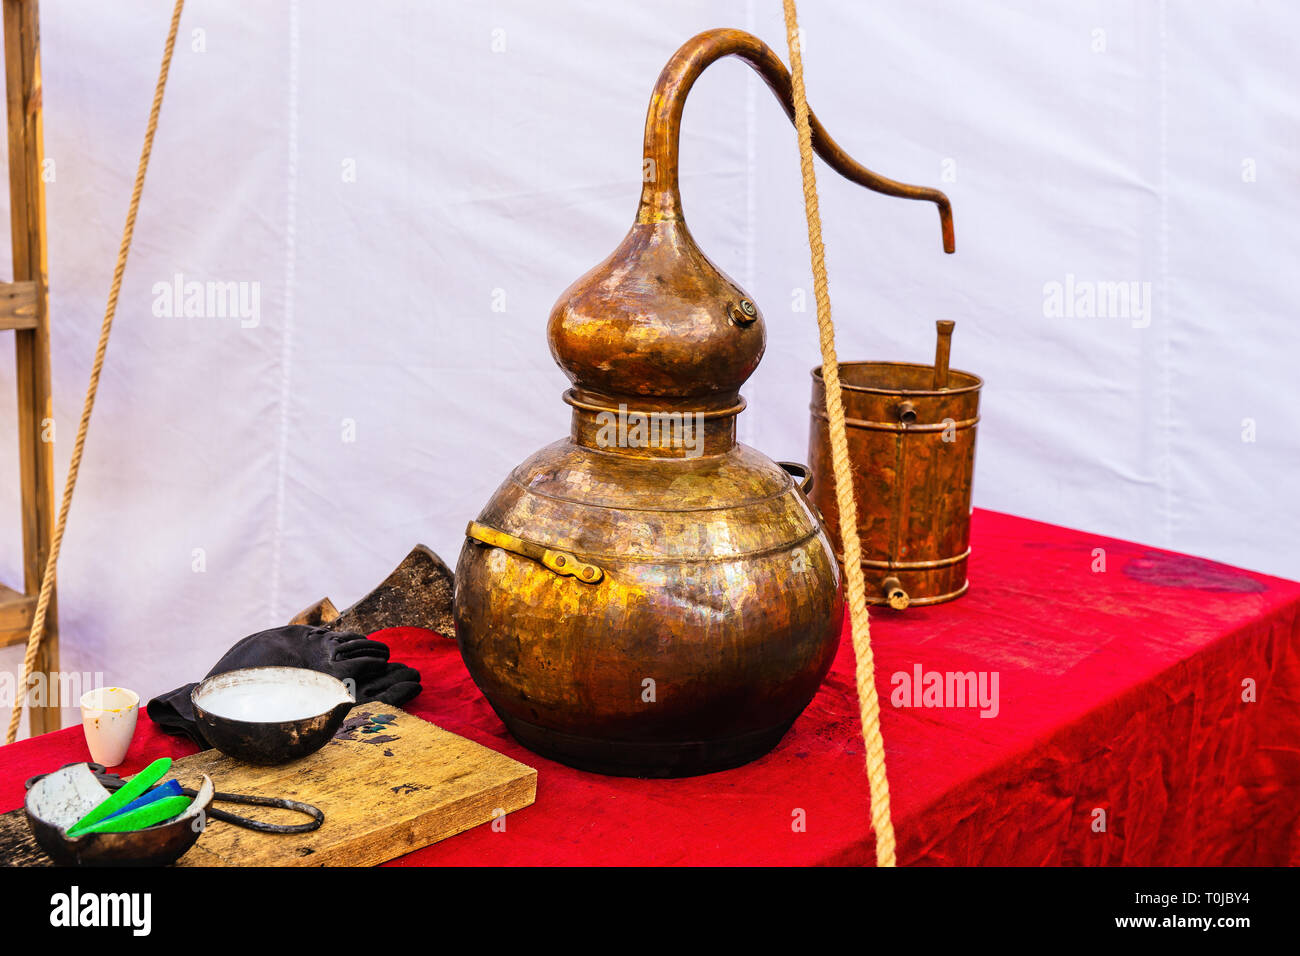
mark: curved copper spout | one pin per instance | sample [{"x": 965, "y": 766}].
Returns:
[{"x": 660, "y": 197}]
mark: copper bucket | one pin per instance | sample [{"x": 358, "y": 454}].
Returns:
[{"x": 911, "y": 432}]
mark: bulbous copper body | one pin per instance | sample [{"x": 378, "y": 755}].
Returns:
[
  {"x": 648, "y": 597},
  {"x": 716, "y": 618}
]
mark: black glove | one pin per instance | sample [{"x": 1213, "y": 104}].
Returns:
[{"x": 341, "y": 654}]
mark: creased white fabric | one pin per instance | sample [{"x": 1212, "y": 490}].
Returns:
[{"x": 448, "y": 168}]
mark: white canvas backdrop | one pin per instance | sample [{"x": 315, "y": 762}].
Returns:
[{"x": 407, "y": 187}]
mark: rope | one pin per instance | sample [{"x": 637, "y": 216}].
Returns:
[
  {"x": 56, "y": 542},
  {"x": 868, "y": 700}
]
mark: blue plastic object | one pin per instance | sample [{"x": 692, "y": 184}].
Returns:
[{"x": 171, "y": 788}]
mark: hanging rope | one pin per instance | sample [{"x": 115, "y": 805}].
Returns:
[
  {"x": 868, "y": 700},
  {"x": 47, "y": 578}
]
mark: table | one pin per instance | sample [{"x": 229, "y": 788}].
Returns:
[{"x": 1147, "y": 712}]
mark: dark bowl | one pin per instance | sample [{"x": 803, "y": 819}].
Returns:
[
  {"x": 59, "y": 799},
  {"x": 270, "y": 715}
]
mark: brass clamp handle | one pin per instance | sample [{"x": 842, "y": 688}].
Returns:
[{"x": 561, "y": 562}]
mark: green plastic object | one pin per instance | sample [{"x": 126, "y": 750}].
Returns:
[
  {"x": 137, "y": 785},
  {"x": 142, "y": 817}
]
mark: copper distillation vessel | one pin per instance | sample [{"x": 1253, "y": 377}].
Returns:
[
  {"x": 911, "y": 438},
  {"x": 648, "y": 597}
]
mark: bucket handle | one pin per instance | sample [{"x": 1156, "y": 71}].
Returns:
[{"x": 560, "y": 562}]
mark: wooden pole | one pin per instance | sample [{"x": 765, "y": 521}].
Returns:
[{"x": 35, "y": 406}]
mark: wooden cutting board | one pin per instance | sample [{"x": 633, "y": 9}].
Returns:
[{"x": 401, "y": 786}]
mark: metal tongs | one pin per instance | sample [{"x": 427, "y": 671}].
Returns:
[{"x": 111, "y": 782}]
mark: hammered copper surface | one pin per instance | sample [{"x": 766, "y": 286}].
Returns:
[{"x": 656, "y": 601}]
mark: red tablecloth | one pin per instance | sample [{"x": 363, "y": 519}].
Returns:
[{"x": 1159, "y": 698}]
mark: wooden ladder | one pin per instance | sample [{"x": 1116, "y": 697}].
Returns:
[{"x": 24, "y": 310}]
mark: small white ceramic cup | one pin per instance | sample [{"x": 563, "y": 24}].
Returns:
[{"x": 108, "y": 715}]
